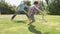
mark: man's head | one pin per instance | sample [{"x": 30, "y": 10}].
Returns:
[
  {"x": 36, "y": 3},
  {"x": 25, "y": 2}
]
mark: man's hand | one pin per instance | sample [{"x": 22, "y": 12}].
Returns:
[{"x": 27, "y": 6}]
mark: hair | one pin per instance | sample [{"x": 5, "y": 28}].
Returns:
[{"x": 36, "y": 2}]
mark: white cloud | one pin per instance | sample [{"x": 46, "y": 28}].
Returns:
[
  {"x": 17, "y": 2},
  {"x": 14, "y": 2}
]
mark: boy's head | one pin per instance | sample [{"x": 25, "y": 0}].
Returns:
[{"x": 36, "y": 3}]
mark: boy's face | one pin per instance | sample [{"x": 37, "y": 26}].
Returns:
[{"x": 36, "y": 5}]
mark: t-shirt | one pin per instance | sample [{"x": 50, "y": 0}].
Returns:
[
  {"x": 21, "y": 7},
  {"x": 33, "y": 9}
]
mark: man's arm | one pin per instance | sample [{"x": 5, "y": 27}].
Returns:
[
  {"x": 17, "y": 6},
  {"x": 27, "y": 6}
]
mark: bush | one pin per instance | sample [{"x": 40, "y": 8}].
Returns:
[
  {"x": 6, "y": 11},
  {"x": 5, "y": 8},
  {"x": 54, "y": 7},
  {"x": 28, "y": 3}
]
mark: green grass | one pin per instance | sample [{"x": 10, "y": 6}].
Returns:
[{"x": 19, "y": 25}]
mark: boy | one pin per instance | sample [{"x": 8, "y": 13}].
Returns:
[
  {"x": 20, "y": 9},
  {"x": 32, "y": 11}
]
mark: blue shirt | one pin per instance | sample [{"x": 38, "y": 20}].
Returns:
[{"x": 21, "y": 7}]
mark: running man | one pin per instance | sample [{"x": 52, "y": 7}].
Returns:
[
  {"x": 20, "y": 8},
  {"x": 32, "y": 11}
]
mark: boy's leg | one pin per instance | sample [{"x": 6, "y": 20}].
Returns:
[{"x": 31, "y": 20}]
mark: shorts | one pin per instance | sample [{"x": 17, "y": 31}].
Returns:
[{"x": 31, "y": 16}]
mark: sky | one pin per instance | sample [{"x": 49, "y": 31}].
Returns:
[
  {"x": 13, "y": 2},
  {"x": 16, "y": 2}
]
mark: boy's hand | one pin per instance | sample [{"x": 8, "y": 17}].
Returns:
[{"x": 44, "y": 14}]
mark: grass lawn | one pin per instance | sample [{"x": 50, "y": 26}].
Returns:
[{"x": 19, "y": 25}]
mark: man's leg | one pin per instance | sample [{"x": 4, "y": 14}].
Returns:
[{"x": 14, "y": 15}]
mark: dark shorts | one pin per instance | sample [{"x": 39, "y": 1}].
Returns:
[{"x": 31, "y": 16}]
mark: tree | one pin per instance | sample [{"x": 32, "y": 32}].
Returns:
[
  {"x": 28, "y": 3},
  {"x": 5, "y": 8},
  {"x": 1, "y": 1},
  {"x": 54, "y": 7},
  {"x": 47, "y": 1}
]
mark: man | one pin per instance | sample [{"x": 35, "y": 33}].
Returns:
[
  {"x": 20, "y": 9},
  {"x": 32, "y": 11}
]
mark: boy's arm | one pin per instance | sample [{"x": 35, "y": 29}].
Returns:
[{"x": 40, "y": 11}]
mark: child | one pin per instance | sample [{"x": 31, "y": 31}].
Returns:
[
  {"x": 20, "y": 8},
  {"x": 32, "y": 11}
]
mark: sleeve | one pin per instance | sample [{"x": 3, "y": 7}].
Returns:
[{"x": 35, "y": 7}]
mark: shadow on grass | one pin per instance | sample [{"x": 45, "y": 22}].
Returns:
[
  {"x": 33, "y": 30},
  {"x": 17, "y": 21}
]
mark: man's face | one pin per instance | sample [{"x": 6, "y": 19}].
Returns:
[{"x": 25, "y": 2}]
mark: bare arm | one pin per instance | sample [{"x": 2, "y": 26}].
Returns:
[
  {"x": 27, "y": 6},
  {"x": 40, "y": 11},
  {"x": 17, "y": 7}
]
